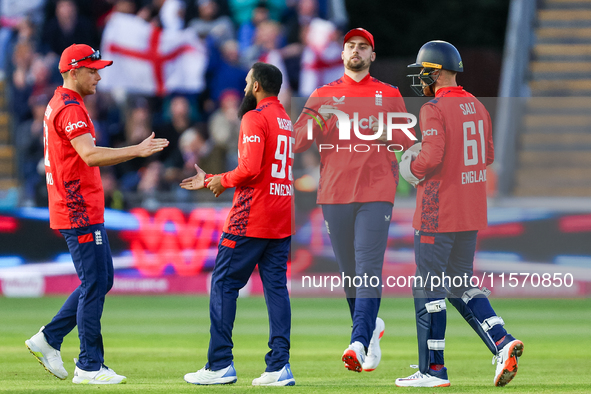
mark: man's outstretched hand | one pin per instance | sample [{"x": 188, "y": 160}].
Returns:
[
  {"x": 195, "y": 182},
  {"x": 151, "y": 145}
]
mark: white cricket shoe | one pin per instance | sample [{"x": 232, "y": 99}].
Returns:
[
  {"x": 207, "y": 376},
  {"x": 374, "y": 353},
  {"x": 506, "y": 360},
  {"x": 283, "y": 377},
  {"x": 47, "y": 356},
  {"x": 354, "y": 357},
  {"x": 431, "y": 379},
  {"x": 105, "y": 375}
]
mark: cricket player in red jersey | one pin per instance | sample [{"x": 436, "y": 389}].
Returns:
[
  {"x": 358, "y": 179},
  {"x": 257, "y": 231},
  {"x": 76, "y": 209},
  {"x": 449, "y": 171}
]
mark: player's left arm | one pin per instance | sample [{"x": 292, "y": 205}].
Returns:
[{"x": 251, "y": 148}]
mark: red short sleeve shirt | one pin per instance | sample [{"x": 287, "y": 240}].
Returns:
[{"x": 75, "y": 190}]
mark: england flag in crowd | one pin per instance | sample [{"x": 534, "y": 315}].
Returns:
[{"x": 150, "y": 60}]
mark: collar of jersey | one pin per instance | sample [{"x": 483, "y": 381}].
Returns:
[
  {"x": 72, "y": 92},
  {"x": 347, "y": 79},
  {"x": 448, "y": 89},
  {"x": 267, "y": 100}
]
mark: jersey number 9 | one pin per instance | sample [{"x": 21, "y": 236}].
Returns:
[{"x": 284, "y": 150}]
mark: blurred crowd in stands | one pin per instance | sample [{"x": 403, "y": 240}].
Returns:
[{"x": 301, "y": 37}]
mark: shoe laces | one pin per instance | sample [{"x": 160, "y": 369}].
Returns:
[
  {"x": 497, "y": 358},
  {"x": 416, "y": 375}
]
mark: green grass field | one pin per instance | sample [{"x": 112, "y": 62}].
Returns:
[{"x": 154, "y": 341}]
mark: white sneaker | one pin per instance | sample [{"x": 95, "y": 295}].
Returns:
[
  {"x": 283, "y": 377},
  {"x": 206, "y": 376},
  {"x": 105, "y": 375},
  {"x": 354, "y": 357},
  {"x": 506, "y": 360},
  {"x": 432, "y": 379},
  {"x": 374, "y": 353},
  {"x": 47, "y": 356}
]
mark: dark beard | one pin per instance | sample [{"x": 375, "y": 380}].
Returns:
[
  {"x": 249, "y": 102},
  {"x": 362, "y": 65}
]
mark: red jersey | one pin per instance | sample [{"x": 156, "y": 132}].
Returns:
[
  {"x": 75, "y": 190},
  {"x": 354, "y": 169},
  {"x": 263, "y": 201},
  {"x": 457, "y": 147}
]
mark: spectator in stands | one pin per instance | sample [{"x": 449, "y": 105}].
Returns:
[
  {"x": 297, "y": 21},
  {"x": 114, "y": 198},
  {"x": 28, "y": 141},
  {"x": 151, "y": 178},
  {"x": 225, "y": 71},
  {"x": 296, "y": 25},
  {"x": 242, "y": 10},
  {"x": 224, "y": 126},
  {"x": 194, "y": 148},
  {"x": 266, "y": 49},
  {"x": 172, "y": 14},
  {"x": 138, "y": 126},
  {"x": 180, "y": 120},
  {"x": 68, "y": 26},
  {"x": 210, "y": 26},
  {"x": 23, "y": 79},
  {"x": 247, "y": 30},
  {"x": 125, "y": 6},
  {"x": 16, "y": 15},
  {"x": 321, "y": 59}
]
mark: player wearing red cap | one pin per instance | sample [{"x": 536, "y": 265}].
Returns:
[
  {"x": 449, "y": 172},
  {"x": 76, "y": 209},
  {"x": 358, "y": 179}
]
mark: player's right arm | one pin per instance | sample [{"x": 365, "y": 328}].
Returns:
[
  {"x": 73, "y": 121},
  {"x": 304, "y": 135}
]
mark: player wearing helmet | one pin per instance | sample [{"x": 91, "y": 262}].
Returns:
[{"x": 449, "y": 172}]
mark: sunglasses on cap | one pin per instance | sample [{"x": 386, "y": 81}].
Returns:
[{"x": 96, "y": 55}]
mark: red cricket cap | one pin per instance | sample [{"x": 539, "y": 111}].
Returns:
[
  {"x": 72, "y": 55},
  {"x": 359, "y": 32}
]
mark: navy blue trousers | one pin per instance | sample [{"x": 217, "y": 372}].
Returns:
[
  {"x": 91, "y": 254},
  {"x": 359, "y": 236},
  {"x": 450, "y": 255},
  {"x": 237, "y": 257}
]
